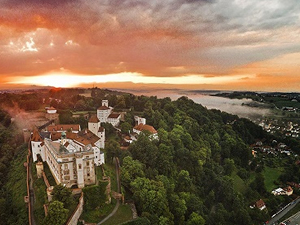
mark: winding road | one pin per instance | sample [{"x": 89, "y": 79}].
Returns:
[{"x": 119, "y": 191}]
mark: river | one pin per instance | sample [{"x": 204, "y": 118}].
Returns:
[{"x": 233, "y": 106}]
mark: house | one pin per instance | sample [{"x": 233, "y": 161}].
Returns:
[
  {"x": 114, "y": 119},
  {"x": 105, "y": 114},
  {"x": 260, "y": 204},
  {"x": 144, "y": 127},
  {"x": 283, "y": 191}
]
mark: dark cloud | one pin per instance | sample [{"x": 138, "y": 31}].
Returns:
[{"x": 35, "y": 3}]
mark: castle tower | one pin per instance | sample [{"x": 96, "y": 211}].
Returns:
[
  {"x": 105, "y": 103},
  {"x": 103, "y": 111},
  {"x": 101, "y": 135},
  {"x": 94, "y": 124},
  {"x": 80, "y": 174}
]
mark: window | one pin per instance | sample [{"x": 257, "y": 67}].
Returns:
[
  {"x": 88, "y": 163},
  {"x": 88, "y": 174},
  {"x": 66, "y": 166},
  {"x": 79, "y": 166}
]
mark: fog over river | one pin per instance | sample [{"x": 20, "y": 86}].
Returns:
[{"x": 233, "y": 106}]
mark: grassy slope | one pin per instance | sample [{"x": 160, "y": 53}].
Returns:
[
  {"x": 122, "y": 215},
  {"x": 271, "y": 175}
]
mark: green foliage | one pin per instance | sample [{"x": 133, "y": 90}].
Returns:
[
  {"x": 57, "y": 214},
  {"x": 94, "y": 196},
  {"x": 200, "y": 165},
  {"x": 195, "y": 219},
  {"x": 14, "y": 209},
  {"x": 126, "y": 128},
  {"x": 138, "y": 221},
  {"x": 130, "y": 170},
  {"x": 112, "y": 150},
  {"x": 150, "y": 196},
  {"x": 62, "y": 194}
]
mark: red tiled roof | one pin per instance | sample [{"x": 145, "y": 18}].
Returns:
[
  {"x": 36, "y": 136},
  {"x": 114, "y": 115},
  {"x": 64, "y": 127},
  {"x": 94, "y": 119},
  {"x": 142, "y": 127},
  {"x": 87, "y": 137},
  {"x": 103, "y": 108},
  {"x": 288, "y": 189},
  {"x": 260, "y": 203}
]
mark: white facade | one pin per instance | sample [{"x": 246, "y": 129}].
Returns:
[
  {"x": 71, "y": 158},
  {"x": 139, "y": 120},
  {"x": 94, "y": 127},
  {"x": 37, "y": 149},
  {"x": 114, "y": 119},
  {"x": 105, "y": 115},
  {"x": 70, "y": 168}
]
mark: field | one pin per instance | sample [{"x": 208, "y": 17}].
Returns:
[{"x": 271, "y": 175}]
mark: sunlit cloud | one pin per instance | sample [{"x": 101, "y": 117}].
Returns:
[{"x": 29, "y": 46}]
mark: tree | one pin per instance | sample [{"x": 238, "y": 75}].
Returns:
[
  {"x": 126, "y": 128},
  {"x": 144, "y": 150},
  {"x": 195, "y": 219},
  {"x": 150, "y": 196},
  {"x": 184, "y": 182},
  {"x": 112, "y": 150},
  {"x": 130, "y": 170},
  {"x": 229, "y": 166},
  {"x": 62, "y": 194},
  {"x": 178, "y": 208},
  {"x": 57, "y": 214}
]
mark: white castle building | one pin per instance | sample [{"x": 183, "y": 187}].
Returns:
[
  {"x": 71, "y": 153},
  {"x": 105, "y": 114}
]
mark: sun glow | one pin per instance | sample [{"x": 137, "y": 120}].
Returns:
[{"x": 73, "y": 80}]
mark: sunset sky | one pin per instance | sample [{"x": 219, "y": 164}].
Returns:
[{"x": 194, "y": 44}]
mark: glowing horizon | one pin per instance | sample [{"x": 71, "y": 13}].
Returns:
[{"x": 73, "y": 80}]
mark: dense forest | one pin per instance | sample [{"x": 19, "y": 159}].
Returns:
[
  {"x": 12, "y": 173},
  {"x": 187, "y": 175}
]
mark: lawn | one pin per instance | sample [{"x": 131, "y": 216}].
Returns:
[
  {"x": 238, "y": 184},
  {"x": 123, "y": 214},
  {"x": 271, "y": 175}
]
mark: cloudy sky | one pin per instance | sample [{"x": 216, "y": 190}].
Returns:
[{"x": 197, "y": 44}]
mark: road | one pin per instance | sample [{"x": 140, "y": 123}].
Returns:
[
  {"x": 31, "y": 191},
  {"x": 293, "y": 220},
  {"x": 119, "y": 191},
  {"x": 276, "y": 219}
]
